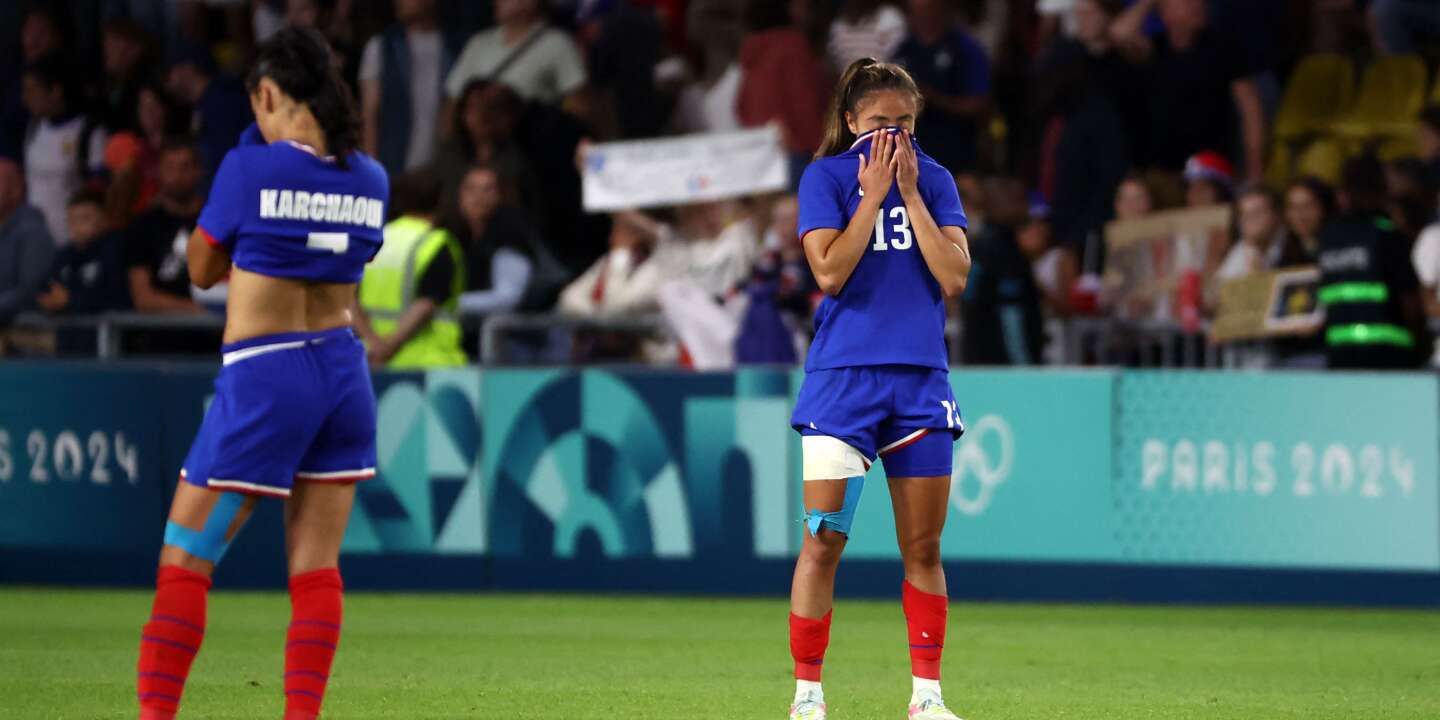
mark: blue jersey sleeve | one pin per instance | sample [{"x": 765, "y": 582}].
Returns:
[
  {"x": 821, "y": 203},
  {"x": 943, "y": 199},
  {"x": 224, "y": 209}
]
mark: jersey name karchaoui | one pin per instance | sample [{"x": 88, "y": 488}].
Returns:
[
  {"x": 891, "y": 310},
  {"x": 281, "y": 210}
]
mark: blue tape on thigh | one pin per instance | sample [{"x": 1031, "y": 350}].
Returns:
[
  {"x": 838, "y": 520},
  {"x": 209, "y": 543}
]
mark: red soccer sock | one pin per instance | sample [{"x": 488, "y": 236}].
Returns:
[
  {"x": 170, "y": 639},
  {"x": 315, "y": 608},
  {"x": 808, "y": 640},
  {"x": 925, "y": 622}
]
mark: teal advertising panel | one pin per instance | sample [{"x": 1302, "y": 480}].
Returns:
[
  {"x": 1277, "y": 470},
  {"x": 627, "y": 465},
  {"x": 88, "y": 455},
  {"x": 1031, "y": 475}
]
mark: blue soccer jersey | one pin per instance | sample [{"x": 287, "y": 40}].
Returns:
[
  {"x": 280, "y": 210},
  {"x": 295, "y": 406},
  {"x": 891, "y": 310}
]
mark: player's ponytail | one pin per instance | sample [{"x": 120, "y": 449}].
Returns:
[
  {"x": 863, "y": 77},
  {"x": 300, "y": 62}
]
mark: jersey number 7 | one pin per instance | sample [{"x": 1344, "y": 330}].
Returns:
[
  {"x": 336, "y": 242},
  {"x": 904, "y": 241}
]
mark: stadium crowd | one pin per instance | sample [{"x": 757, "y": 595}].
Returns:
[{"x": 1057, "y": 117}]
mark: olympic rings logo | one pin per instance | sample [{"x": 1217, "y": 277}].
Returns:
[{"x": 973, "y": 459}]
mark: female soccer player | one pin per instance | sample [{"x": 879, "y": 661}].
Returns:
[
  {"x": 293, "y": 216},
  {"x": 884, "y": 233}
]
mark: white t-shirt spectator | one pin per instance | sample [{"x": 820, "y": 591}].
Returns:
[
  {"x": 876, "y": 36},
  {"x": 52, "y": 170},
  {"x": 1426, "y": 257},
  {"x": 426, "y": 48},
  {"x": 546, "y": 71},
  {"x": 703, "y": 109}
]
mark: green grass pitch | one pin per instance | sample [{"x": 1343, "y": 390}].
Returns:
[{"x": 71, "y": 655}]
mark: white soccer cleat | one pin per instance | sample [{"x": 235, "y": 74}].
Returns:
[
  {"x": 808, "y": 707},
  {"x": 929, "y": 706}
]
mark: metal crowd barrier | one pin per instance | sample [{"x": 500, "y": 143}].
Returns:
[{"x": 110, "y": 328}]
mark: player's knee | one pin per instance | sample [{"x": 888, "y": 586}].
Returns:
[
  {"x": 824, "y": 548},
  {"x": 922, "y": 551}
]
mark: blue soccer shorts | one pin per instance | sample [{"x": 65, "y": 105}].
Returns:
[
  {"x": 288, "y": 407},
  {"x": 905, "y": 415}
]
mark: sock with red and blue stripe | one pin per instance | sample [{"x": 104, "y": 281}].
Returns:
[
  {"x": 170, "y": 639},
  {"x": 315, "y": 611},
  {"x": 925, "y": 623}
]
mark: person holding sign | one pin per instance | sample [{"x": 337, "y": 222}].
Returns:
[{"x": 884, "y": 233}]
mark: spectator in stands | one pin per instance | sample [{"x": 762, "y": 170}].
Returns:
[
  {"x": 1374, "y": 314},
  {"x": 132, "y": 156},
  {"x": 1209, "y": 180},
  {"x": 625, "y": 44},
  {"x": 1401, "y": 26},
  {"x": 1198, "y": 79},
  {"x": 701, "y": 269},
  {"x": 781, "y": 81},
  {"x": 499, "y": 241},
  {"x": 402, "y": 77},
  {"x": 1262, "y": 241},
  {"x": 1001, "y": 304},
  {"x": 1427, "y": 141},
  {"x": 865, "y": 28},
  {"x": 158, "y": 276},
  {"x": 1309, "y": 205},
  {"x": 411, "y": 290},
  {"x": 782, "y": 293},
  {"x": 953, "y": 72},
  {"x": 42, "y": 33},
  {"x": 125, "y": 49},
  {"x": 623, "y": 281},
  {"x": 1084, "y": 152},
  {"x": 540, "y": 62},
  {"x": 709, "y": 102},
  {"x": 89, "y": 275},
  {"x": 220, "y": 107},
  {"x": 485, "y": 119},
  {"x": 27, "y": 252},
  {"x": 1056, "y": 268},
  {"x": 63, "y": 146}
]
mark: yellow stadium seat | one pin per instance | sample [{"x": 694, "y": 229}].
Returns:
[
  {"x": 1392, "y": 92},
  {"x": 1318, "y": 92},
  {"x": 1323, "y": 159},
  {"x": 1398, "y": 147},
  {"x": 1278, "y": 166}
]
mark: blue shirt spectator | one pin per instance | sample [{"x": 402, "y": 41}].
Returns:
[
  {"x": 953, "y": 72},
  {"x": 26, "y": 250},
  {"x": 221, "y": 106},
  {"x": 89, "y": 275}
]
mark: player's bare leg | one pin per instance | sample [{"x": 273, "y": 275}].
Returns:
[
  {"x": 315, "y": 520},
  {"x": 920, "y": 505},
  {"x": 812, "y": 595},
  {"x": 202, "y": 523}
]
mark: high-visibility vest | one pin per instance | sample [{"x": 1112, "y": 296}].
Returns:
[{"x": 390, "y": 284}]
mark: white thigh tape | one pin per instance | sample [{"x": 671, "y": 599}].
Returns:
[{"x": 827, "y": 458}]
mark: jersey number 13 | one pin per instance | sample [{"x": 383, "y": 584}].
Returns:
[{"x": 904, "y": 238}]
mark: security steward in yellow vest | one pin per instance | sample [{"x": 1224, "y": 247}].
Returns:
[
  {"x": 1374, "y": 315},
  {"x": 410, "y": 293}
]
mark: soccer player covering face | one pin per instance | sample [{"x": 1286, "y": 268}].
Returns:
[
  {"x": 884, "y": 233},
  {"x": 294, "y": 215}
]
